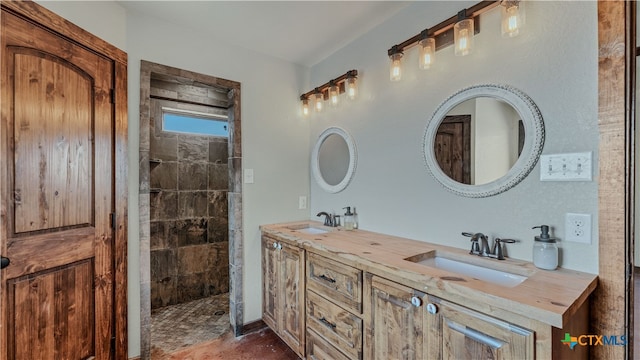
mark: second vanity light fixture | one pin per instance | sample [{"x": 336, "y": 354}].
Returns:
[
  {"x": 458, "y": 30},
  {"x": 345, "y": 83}
]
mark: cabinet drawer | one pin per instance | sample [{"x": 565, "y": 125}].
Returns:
[
  {"x": 318, "y": 349},
  {"x": 336, "y": 325},
  {"x": 333, "y": 280}
]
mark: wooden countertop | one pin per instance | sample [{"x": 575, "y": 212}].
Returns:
[{"x": 550, "y": 297}]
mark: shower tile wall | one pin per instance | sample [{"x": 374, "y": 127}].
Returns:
[{"x": 189, "y": 218}]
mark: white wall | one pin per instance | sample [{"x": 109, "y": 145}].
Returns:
[
  {"x": 275, "y": 139},
  {"x": 554, "y": 61}
]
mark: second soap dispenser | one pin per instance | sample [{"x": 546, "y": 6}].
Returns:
[
  {"x": 545, "y": 251},
  {"x": 348, "y": 219}
]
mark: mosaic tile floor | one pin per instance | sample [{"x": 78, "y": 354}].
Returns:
[{"x": 178, "y": 326}]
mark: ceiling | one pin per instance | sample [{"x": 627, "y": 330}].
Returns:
[{"x": 300, "y": 32}]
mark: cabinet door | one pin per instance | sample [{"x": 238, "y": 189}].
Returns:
[
  {"x": 291, "y": 281},
  {"x": 395, "y": 326},
  {"x": 270, "y": 283},
  {"x": 466, "y": 334}
]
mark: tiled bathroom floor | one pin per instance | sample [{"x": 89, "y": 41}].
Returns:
[{"x": 178, "y": 326}]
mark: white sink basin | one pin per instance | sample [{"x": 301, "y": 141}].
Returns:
[
  {"x": 308, "y": 229},
  {"x": 312, "y": 230},
  {"x": 494, "y": 276}
]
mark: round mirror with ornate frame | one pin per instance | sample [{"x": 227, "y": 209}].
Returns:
[
  {"x": 499, "y": 156},
  {"x": 333, "y": 159}
]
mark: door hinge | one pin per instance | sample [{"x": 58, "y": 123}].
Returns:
[
  {"x": 112, "y": 220},
  {"x": 112, "y": 94}
]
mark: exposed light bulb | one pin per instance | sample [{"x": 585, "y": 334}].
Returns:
[
  {"x": 512, "y": 17},
  {"x": 463, "y": 37},
  {"x": 351, "y": 86},
  {"x": 334, "y": 92},
  {"x": 319, "y": 99},
  {"x": 427, "y": 53},
  {"x": 305, "y": 107},
  {"x": 395, "y": 73}
]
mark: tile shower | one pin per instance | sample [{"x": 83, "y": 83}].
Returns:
[{"x": 188, "y": 218}]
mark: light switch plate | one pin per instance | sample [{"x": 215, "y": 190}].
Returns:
[
  {"x": 302, "y": 202},
  {"x": 566, "y": 167},
  {"x": 248, "y": 176}
]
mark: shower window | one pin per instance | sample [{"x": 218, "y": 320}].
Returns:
[{"x": 193, "y": 122}]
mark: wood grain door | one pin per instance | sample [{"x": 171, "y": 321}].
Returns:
[
  {"x": 395, "y": 327},
  {"x": 291, "y": 283},
  {"x": 459, "y": 333},
  {"x": 452, "y": 147},
  {"x": 270, "y": 296},
  {"x": 57, "y": 196}
]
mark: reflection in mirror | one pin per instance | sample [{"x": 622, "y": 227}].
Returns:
[
  {"x": 333, "y": 159},
  {"x": 475, "y": 143},
  {"x": 479, "y": 140}
]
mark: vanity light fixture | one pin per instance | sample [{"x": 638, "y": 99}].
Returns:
[
  {"x": 318, "y": 100},
  {"x": 513, "y": 17},
  {"x": 351, "y": 84},
  {"x": 345, "y": 83},
  {"x": 395, "y": 56},
  {"x": 457, "y": 30},
  {"x": 305, "y": 105},
  {"x": 334, "y": 91},
  {"x": 463, "y": 34},
  {"x": 427, "y": 50}
]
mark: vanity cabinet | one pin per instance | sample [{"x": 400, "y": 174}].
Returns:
[
  {"x": 334, "y": 309},
  {"x": 354, "y": 295},
  {"x": 409, "y": 324},
  {"x": 395, "y": 325},
  {"x": 283, "y": 291},
  {"x": 455, "y": 332}
]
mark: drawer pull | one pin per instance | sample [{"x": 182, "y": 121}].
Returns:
[
  {"x": 327, "y": 279},
  {"x": 327, "y": 323}
]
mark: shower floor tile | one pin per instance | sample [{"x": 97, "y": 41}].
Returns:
[{"x": 178, "y": 326}]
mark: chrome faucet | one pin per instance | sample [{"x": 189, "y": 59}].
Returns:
[
  {"x": 480, "y": 245},
  {"x": 329, "y": 219}
]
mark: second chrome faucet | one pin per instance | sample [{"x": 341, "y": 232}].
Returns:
[{"x": 480, "y": 245}]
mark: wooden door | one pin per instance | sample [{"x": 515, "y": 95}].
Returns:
[
  {"x": 458, "y": 333},
  {"x": 452, "y": 147},
  {"x": 57, "y": 196},
  {"x": 395, "y": 327}
]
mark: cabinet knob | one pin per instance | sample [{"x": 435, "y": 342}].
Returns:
[
  {"x": 432, "y": 308},
  {"x": 275, "y": 245},
  {"x": 279, "y": 246},
  {"x": 416, "y": 301}
]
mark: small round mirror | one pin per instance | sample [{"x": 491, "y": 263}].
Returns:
[
  {"x": 333, "y": 160},
  {"x": 483, "y": 140}
]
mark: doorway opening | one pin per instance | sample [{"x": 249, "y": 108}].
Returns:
[{"x": 190, "y": 201}]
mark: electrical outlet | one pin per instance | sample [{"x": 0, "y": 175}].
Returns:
[
  {"x": 302, "y": 202},
  {"x": 578, "y": 228}
]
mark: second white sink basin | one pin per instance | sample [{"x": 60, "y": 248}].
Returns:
[{"x": 494, "y": 276}]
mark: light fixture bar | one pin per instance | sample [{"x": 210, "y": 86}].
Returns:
[
  {"x": 443, "y": 32},
  {"x": 324, "y": 88}
]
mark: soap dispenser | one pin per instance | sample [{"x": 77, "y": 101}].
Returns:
[
  {"x": 348, "y": 219},
  {"x": 545, "y": 250},
  {"x": 355, "y": 218}
]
